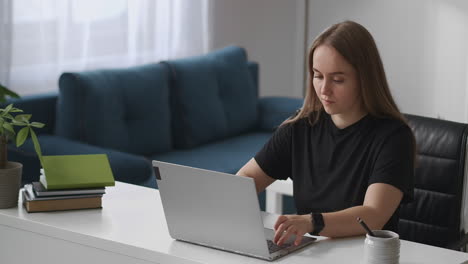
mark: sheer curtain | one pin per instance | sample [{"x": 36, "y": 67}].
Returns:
[
  {"x": 5, "y": 40},
  {"x": 48, "y": 37}
]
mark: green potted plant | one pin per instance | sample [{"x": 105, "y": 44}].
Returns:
[{"x": 10, "y": 172}]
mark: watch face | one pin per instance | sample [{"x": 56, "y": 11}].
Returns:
[{"x": 317, "y": 223}]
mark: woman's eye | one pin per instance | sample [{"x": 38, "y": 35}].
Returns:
[
  {"x": 317, "y": 77},
  {"x": 338, "y": 81}
]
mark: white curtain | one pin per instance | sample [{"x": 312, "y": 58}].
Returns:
[
  {"x": 47, "y": 37},
  {"x": 5, "y": 40}
]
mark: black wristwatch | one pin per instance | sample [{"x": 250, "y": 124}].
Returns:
[{"x": 317, "y": 223}]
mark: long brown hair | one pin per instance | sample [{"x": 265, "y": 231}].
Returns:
[{"x": 358, "y": 47}]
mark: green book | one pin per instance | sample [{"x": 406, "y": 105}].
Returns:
[{"x": 76, "y": 171}]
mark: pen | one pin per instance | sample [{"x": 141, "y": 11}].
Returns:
[{"x": 361, "y": 222}]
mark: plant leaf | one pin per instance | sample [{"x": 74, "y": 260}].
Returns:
[
  {"x": 18, "y": 123},
  {"x": 37, "y": 124},
  {"x": 23, "y": 118},
  {"x": 37, "y": 147},
  {"x": 8, "y": 127},
  {"x": 8, "y": 108},
  {"x": 21, "y": 136},
  {"x": 4, "y": 92},
  {"x": 7, "y": 115}
]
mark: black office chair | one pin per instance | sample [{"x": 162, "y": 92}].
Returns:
[{"x": 435, "y": 217}]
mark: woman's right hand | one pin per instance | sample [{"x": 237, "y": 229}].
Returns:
[{"x": 288, "y": 225}]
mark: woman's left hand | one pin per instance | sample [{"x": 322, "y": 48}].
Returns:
[{"x": 288, "y": 225}]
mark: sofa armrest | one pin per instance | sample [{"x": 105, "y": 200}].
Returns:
[
  {"x": 274, "y": 110},
  {"x": 42, "y": 107},
  {"x": 125, "y": 167}
]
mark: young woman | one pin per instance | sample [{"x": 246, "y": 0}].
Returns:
[{"x": 349, "y": 151}]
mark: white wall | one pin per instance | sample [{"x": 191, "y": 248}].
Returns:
[
  {"x": 423, "y": 44},
  {"x": 269, "y": 31}
]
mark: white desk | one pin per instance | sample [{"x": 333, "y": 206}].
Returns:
[{"x": 131, "y": 228}]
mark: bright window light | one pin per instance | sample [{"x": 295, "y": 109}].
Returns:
[
  {"x": 28, "y": 11},
  {"x": 25, "y": 11},
  {"x": 92, "y": 10}
]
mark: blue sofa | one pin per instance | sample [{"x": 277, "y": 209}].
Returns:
[{"x": 201, "y": 111}]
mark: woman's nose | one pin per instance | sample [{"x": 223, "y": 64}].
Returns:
[{"x": 326, "y": 88}]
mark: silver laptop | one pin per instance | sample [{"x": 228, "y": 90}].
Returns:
[{"x": 217, "y": 210}]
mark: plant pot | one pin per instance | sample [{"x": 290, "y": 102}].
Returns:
[{"x": 10, "y": 182}]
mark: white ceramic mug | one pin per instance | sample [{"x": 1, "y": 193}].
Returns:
[{"x": 383, "y": 248}]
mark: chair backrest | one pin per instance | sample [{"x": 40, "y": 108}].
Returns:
[{"x": 434, "y": 217}]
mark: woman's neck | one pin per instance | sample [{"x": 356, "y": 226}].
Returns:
[{"x": 344, "y": 120}]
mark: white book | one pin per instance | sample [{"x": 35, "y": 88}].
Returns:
[
  {"x": 31, "y": 195},
  {"x": 40, "y": 189}
]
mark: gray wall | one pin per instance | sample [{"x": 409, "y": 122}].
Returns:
[{"x": 272, "y": 31}]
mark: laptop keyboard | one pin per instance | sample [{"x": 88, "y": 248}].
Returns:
[{"x": 272, "y": 247}]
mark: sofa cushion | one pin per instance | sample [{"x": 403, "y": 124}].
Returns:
[
  {"x": 214, "y": 97},
  {"x": 123, "y": 109},
  {"x": 225, "y": 156}
]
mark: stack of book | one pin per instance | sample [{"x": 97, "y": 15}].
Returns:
[
  {"x": 69, "y": 182},
  {"x": 38, "y": 199}
]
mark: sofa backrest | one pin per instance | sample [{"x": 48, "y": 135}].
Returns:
[
  {"x": 152, "y": 108},
  {"x": 212, "y": 97},
  {"x": 123, "y": 109}
]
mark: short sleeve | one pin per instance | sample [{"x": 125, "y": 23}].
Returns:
[
  {"x": 395, "y": 163},
  {"x": 275, "y": 156}
]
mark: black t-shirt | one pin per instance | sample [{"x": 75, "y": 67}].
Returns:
[{"x": 331, "y": 168}]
